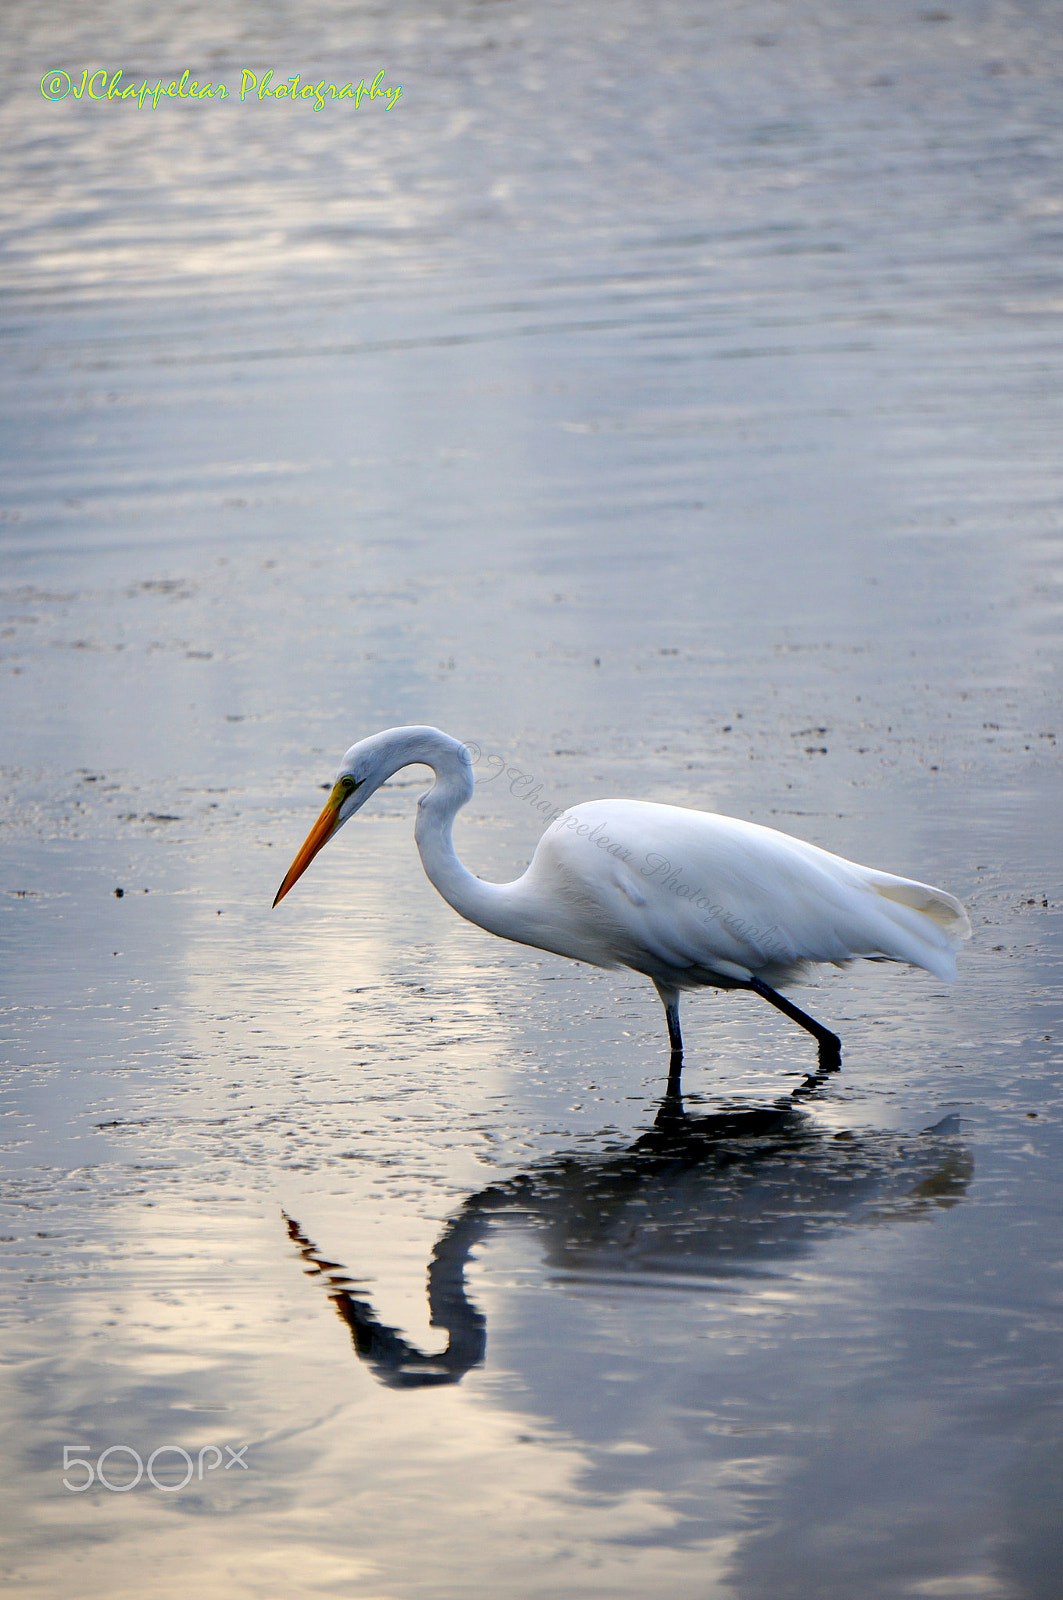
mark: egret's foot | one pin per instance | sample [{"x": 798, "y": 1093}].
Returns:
[
  {"x": 830, "y": 1052},
  {"x": 830, "y": 1060}
]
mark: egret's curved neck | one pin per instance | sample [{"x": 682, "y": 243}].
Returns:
[{"x": 486, "y": 904}]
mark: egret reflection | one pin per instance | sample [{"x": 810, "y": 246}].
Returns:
[{"x": 696, "y": 1200}]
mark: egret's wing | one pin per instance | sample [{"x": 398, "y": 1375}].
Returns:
[{"x": 662, "y": 887}]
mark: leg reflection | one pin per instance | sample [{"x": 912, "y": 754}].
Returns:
[{"x": 730, "y": 1195}]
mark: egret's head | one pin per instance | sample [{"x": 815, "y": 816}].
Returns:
[{"x": 365, "y": 767}]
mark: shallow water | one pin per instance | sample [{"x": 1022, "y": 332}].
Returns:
[{"x": 669, "y": 406}]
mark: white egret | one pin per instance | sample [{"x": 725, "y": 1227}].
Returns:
[{"x": 689, "y": 898}]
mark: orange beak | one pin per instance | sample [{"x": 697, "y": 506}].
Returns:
[{"x": 319, "y": 835}]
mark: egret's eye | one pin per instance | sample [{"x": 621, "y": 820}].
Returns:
[{"x": 342, "y": 789}]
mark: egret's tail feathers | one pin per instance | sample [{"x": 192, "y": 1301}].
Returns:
[
  {"x": 937, "y": 929},
  {"x": 942, "y": 908}
]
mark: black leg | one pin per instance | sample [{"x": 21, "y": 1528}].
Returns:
[
  {"x": 830, "y": 1046},
  {"x": 675, "y": 1039}
]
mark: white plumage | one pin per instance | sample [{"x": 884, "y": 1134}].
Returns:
[
  {"x": 687, "y": 897},
  {"x": 675, "y": 892}
]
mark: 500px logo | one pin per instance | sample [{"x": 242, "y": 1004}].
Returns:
[
  {"x": 109, "y": 86},
  {"x": 98, "y": 1473}
]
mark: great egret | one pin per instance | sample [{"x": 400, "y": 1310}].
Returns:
[{"x": 689, "y": 898}]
